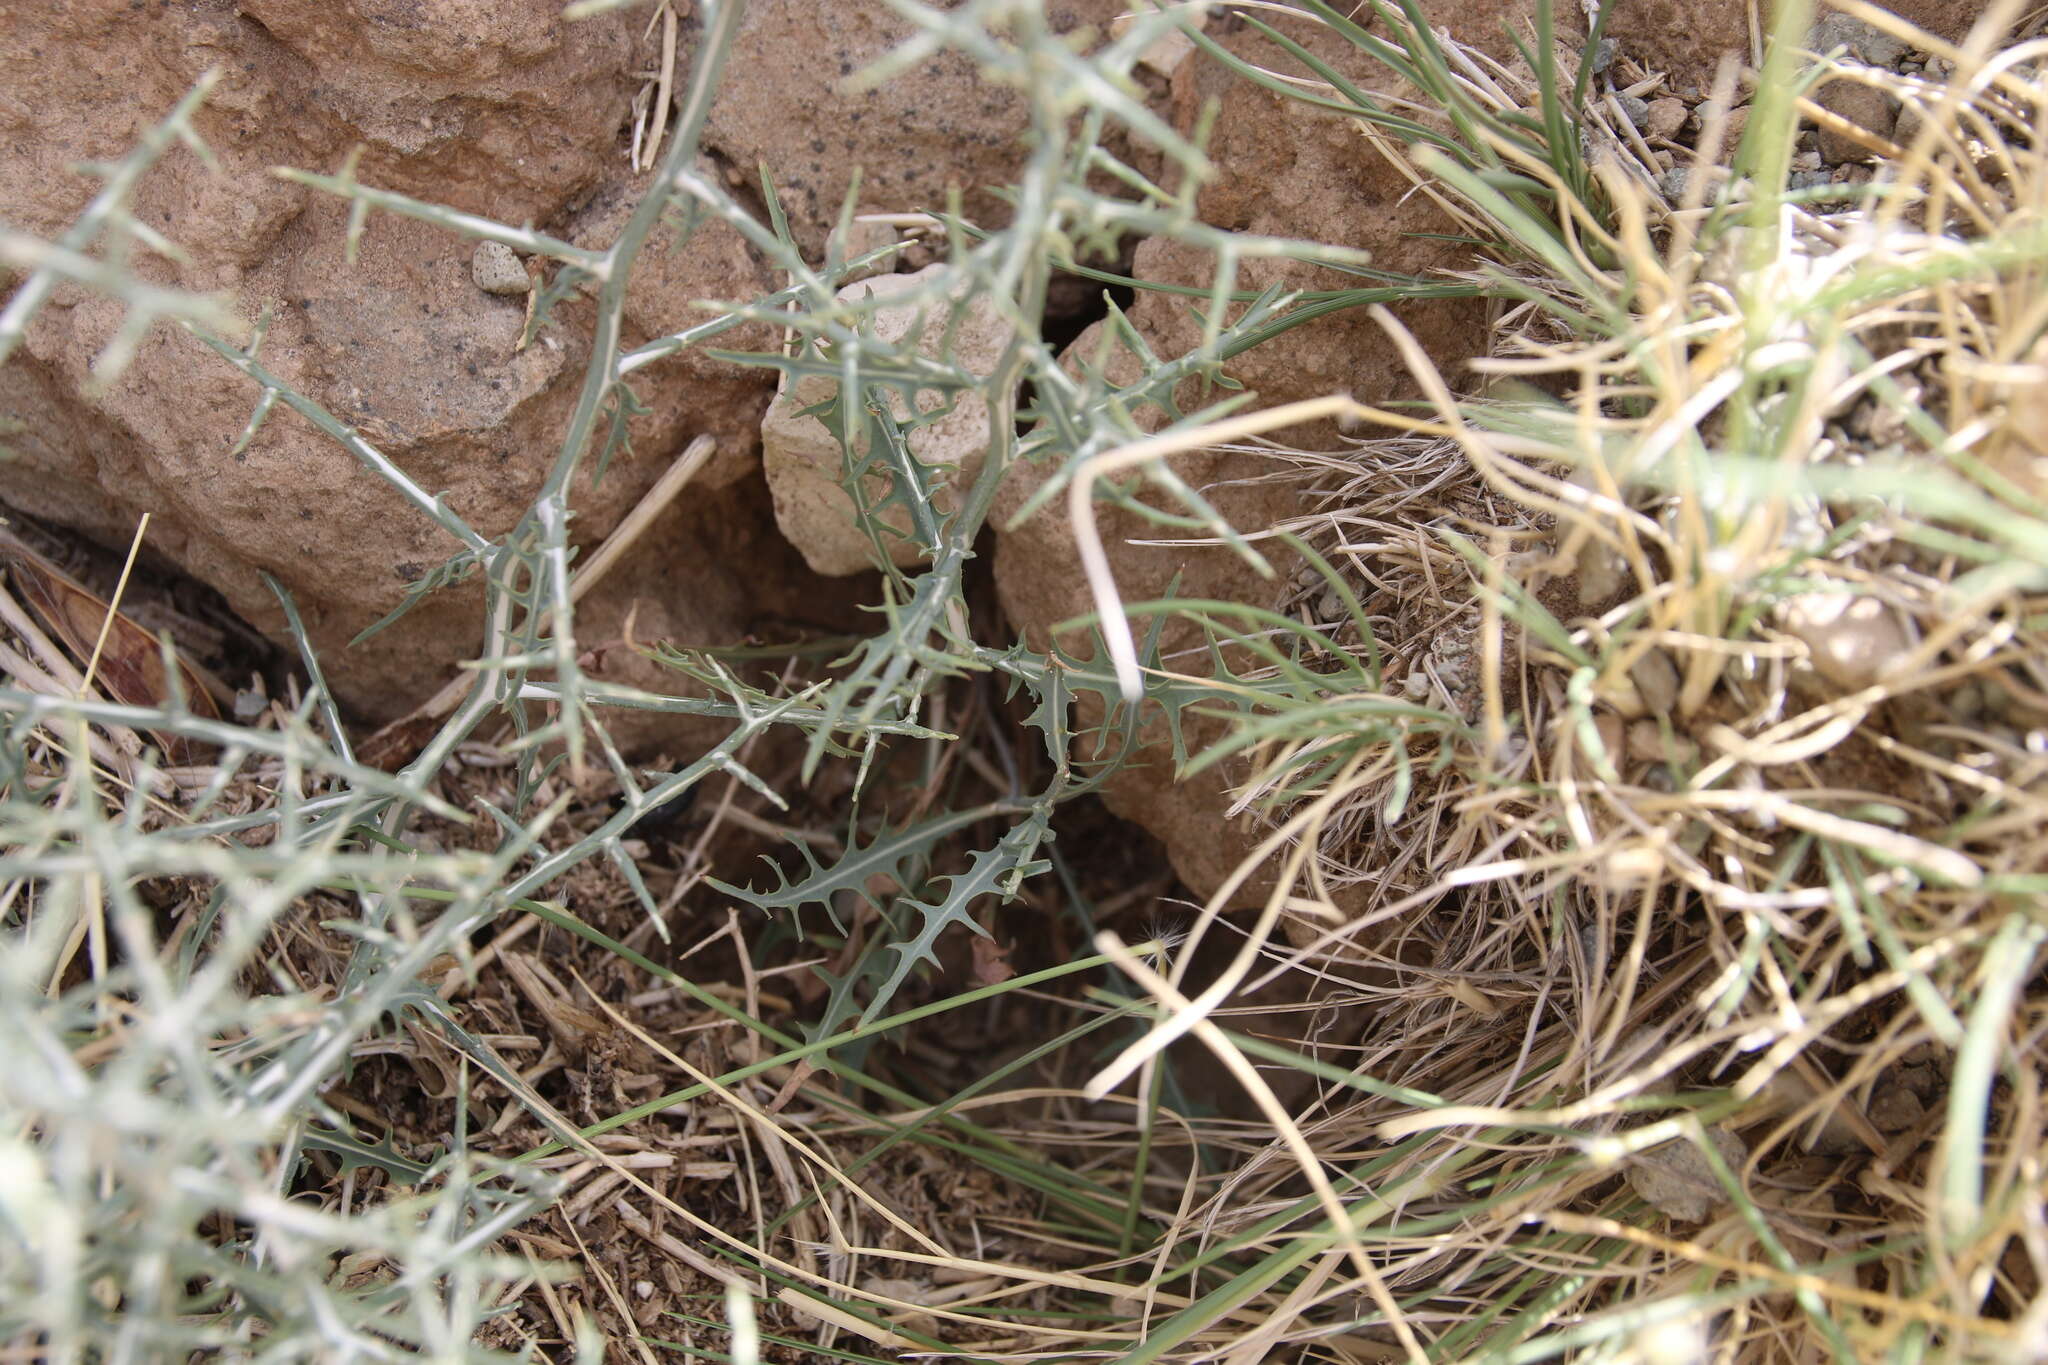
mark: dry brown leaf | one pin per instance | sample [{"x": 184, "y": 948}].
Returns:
[
  {"x": 130, "y": 667},
  {"x": 991, "y": 963},
  {"x": 400, "y": 742}
]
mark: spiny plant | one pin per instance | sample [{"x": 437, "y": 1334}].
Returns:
[{"x": 170, "y": 1105}]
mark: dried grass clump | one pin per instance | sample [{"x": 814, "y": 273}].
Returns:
[{"x": 1686, "y": 985}]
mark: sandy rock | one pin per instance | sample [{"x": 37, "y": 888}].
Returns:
[
  {"x": 101, "y": 79},
  {"x": 1656, "y": 682},
  {"x": 406, "y": 349},
  {"x": 1289, "y": 171},
  {"x": 1851, "y": 640},
  {"x": 711, "y": 570},
  {"x": 1039, "y": 580},
  {"x": 1493, "y": 26},
  {"x": 496, "y": 269},
  {"x": 1865, "y": 43},
  {"x": 861, "y": 239},
  {"x": 1610, "y": 746},
  {"x": 1865, "y": 106},
  {"x": 1894, "y": 1108},
  {"x": 520, "y": 114},
  {"x": 671, "y": 282},
  {"x": 934, "y": 127},
  {"x": 402, "y": 344},
  {"x": 495, "y": 107},
  {"x": 802, "y": 456},
  {"x": 1663, "y": 118},
  {"x": 1164, "y": 54},
  {"x": 1677, "y": 1181},
  {"x": 1687, "y": 38},
  {"x": 501, "y": 107}
]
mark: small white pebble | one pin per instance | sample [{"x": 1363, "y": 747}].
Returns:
[
  {"x": 496, "y": 268},
  {"x": 1676, "y": 1341},
  {"x": 1850, "y": 640}
]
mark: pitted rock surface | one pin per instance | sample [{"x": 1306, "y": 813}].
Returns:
[
  {"x": 937, "y": 127},
  {"x": 498, "y": 108},
  {"x": 1687, "y": 39}
]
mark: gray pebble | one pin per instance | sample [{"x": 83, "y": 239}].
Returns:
[
  {"x": 1671, "y": 184},
  {"x": 1894, "y": 1109},
  {"x": 1677, "y": 1181},
  {"x": 1906, "y": 127},
  {"x": 1604, "y": 54},
  {"x": 1866, "y": 44},
  {"x": 1637, "y": 110},
  {"x": 1656, "y": 680}
]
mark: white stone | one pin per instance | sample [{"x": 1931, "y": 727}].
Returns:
[
  {"x": 1165, "y": 53},
  {"x": 496, "y": 269},
  {"x": 1851, "y": 640},
  {"x": 802, "y": 457}
]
